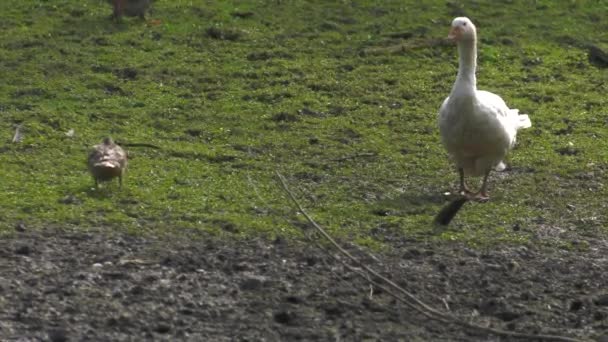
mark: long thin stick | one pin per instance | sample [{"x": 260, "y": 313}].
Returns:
[{"x": 410, "y": 300}]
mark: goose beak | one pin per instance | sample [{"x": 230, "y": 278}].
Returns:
[{"x": 455, "y": 33}]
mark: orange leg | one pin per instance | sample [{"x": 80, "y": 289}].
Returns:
[{"x": 483, "y": 195}]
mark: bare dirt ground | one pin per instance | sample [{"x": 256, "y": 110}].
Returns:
[{"x": 60, "y": 285}]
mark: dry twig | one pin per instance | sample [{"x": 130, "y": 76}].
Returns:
[{"x": 401, "y": 294}]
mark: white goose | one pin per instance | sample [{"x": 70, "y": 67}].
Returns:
[{"x": 477, "y": 128}]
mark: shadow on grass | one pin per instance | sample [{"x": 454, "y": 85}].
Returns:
[
  {"x": 409, "y": 203},
  {"x": 104, "y": 191},
  {"x": 97, "y": 26}
]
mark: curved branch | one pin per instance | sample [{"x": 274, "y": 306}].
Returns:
[{"x": 402, "y": 294}]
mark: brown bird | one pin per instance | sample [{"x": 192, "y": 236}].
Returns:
[
  {"x": 107, "y": 161},
  {"x": 130, "y": 8}
]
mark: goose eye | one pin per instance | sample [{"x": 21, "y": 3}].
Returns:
[{"x": 464, "y": 24}]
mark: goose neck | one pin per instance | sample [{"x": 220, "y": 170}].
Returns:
[{"x": 467, "y": 51}]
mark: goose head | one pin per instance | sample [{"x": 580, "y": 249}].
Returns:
[
  {"x": 108, "y": 141},
  {"x": 462, "y": 30}
]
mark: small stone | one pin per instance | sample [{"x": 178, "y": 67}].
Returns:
[
  {"x": 119, "y": 321},
  {"x": 513, "y": 265},
  {"x": 284, "y": 317},
  {"x": 311, "y": 261},
  {"x": 601, "y": 300},
  {"x": 470, "y": 252},
  {"x": 70, "y": 199},
  {"x": 567, "y": 151},
  {"x": 58, "y": 335},
  {"x": 252, "y": 283},
  {"x": 136, "y": 290},
  {"x": 507, "y": 316},
  {"x": 162, "y": 328},
  {"x": 490, "y": 306},
  {"x": 395, "y": 105},
  {"x": 600, "y": 315},
  {"x": 23, "y": 250},
  {"x": 20, "y": 227},
  {"x": 294, "y": 299},
  {"x": 412, "y": 253},
  {"x": 334, "y": 309},
  {"x": 576, "y": 305}
]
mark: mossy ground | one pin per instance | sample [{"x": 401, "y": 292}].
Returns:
[{"x": 340, "y": 96}]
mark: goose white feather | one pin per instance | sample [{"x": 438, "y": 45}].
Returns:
[{"x": 477, "y": 128}]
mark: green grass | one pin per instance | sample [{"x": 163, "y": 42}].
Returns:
[{"x": 323, "y": 91}]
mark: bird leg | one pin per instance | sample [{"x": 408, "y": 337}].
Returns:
[
  {"x": 463, "y": 186},
  {"x": 482, "y": 195},
  {"x": 118, "y": 8}
]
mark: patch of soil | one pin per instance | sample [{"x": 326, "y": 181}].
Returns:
[
  {"x": 63, "y": 285},
  {"x": 242, "y": 14},
  {"x": 267, "y": 55},
  {"x": 126, "y": 73},
  {"x": 598, "y": 57},
  {"x": 284, "y": 117},
  {"x": 224, "y": 33}
]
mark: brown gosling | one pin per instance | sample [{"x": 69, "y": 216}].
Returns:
[
  {"x": 107, "y": 161},
  {"x": 130, "y": 8}
]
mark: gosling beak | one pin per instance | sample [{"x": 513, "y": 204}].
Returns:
[{"x": 455, "y": 33}]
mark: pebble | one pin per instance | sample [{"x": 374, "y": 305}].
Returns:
[
  {"x": 23, "y": 250},
  {"x": 284, "y": 317},
  {"x": 58, "y": 335},
  {"x": 20, "y": 227},
  {"x": 252, "y": 283},
  {"x": 601, "y": 300},
  {"x": 162, "y": 328}
]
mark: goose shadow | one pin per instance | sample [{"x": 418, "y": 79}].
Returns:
[
  {"x": 76, "y": 194},
  {"x": 409, "y": 203},
  {"x": 422, "y": 203}
]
